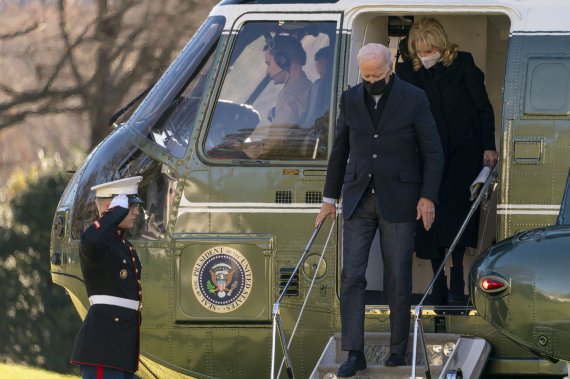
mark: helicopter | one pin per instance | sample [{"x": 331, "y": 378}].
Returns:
[{"x": 229, "y": 206}]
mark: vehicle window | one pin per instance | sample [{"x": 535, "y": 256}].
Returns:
[
  {"x": 275, "y": 100},
  {"x": 168, "y": 113},
  {"x": 547, "y": 87},
  {"x": 115, "y": 159}
]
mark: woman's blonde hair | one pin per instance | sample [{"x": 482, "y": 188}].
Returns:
[{"x": 430, "y": 32}]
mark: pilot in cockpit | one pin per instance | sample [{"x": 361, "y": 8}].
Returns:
[{"x": 284, "y": 57}]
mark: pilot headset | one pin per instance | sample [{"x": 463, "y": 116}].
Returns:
[
  {"x": 283, "y": 48},
  {"x": 281, "y": 58}
]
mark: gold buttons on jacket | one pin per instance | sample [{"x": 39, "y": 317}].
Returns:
[
  {"x": 123, "y": 274},
  {"x": 116, "y": 319},
  {"x": 124, "y": 261}
]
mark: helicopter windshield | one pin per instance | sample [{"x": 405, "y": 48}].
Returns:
[
  {"x": 168, "y": 113},
  {"x": 275, "y": 100}
]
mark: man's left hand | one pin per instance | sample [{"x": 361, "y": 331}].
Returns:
[{"x": 426, "y": 211}]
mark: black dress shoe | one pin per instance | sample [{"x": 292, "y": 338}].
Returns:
[
  {"x": 355, "y": 362},
  {"x": 395, "y": 360}
]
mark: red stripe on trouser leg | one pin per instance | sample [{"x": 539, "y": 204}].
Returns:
[{"x": 99, "y": 372}]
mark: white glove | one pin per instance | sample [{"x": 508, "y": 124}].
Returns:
[{"x": 120, "y": 201}]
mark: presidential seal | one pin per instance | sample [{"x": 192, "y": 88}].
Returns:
[{"x": 222, "y": 279}]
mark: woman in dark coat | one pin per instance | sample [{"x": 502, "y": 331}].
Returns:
[{"x": 464, "y": 116}]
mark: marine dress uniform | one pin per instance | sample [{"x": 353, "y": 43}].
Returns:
[{"x": 107, "y": 344}]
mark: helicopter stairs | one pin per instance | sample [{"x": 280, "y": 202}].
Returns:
[{"x": 446, "y": 354}]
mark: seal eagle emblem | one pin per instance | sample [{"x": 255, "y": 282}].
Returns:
[{"x": 222, "y": 279}]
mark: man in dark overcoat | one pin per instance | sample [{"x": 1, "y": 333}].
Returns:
[
  {"x": 107, "y": 344},
  {"x": 384, "y": 127}
]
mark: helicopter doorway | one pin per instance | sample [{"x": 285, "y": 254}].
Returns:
[{"x": 486, "y": 37}]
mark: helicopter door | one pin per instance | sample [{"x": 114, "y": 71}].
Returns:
[{"x": 486, "y": 37}]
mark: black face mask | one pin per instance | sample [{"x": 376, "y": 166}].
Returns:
[{"x": 375, "y": 88}]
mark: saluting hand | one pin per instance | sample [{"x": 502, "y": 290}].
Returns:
[
  {"x": 120, "y": 201},
  {"x": 327, "y": 209},
  {"x": 426, "y": 211}
]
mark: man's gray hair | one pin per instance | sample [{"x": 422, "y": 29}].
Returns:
[{"x": 374, "y": 51}]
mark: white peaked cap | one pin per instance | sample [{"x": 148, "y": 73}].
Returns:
[{"x": 126, "y": 186}]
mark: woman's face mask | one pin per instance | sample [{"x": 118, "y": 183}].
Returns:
[{"x": 430, "y": 61}]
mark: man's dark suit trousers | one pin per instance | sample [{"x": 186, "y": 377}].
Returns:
[{"x": 397, "y": 245}]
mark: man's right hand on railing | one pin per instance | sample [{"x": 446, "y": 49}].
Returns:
[{"x": 327, "y": 209}]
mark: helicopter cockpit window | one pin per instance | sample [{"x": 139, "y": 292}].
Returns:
[
  {"x": 168, "y": 114},
  {"x": 116, "y": 159},
  {"x": 275, "y": 100}
]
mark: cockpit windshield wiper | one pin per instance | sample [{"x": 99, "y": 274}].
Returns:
[{"x": 123, "y": 110}]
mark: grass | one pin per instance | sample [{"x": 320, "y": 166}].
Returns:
[{"x": 14, "y": 371}]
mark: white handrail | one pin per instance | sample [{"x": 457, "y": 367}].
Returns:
[{"x": 418, "y": 310}]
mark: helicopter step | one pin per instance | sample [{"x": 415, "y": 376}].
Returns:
[
  {"x": 449, "y": 355},
  {"x": 469, "y": 357}
]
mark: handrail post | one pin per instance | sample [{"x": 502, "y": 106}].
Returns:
[
  {"x": 274, "y": 318},
  {"x": 283, "y": 339},
  {"x": 417, "y": 314}
]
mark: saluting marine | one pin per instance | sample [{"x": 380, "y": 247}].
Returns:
[{"x": 107, "y": 344}]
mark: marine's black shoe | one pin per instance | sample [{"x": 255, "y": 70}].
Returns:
[
  {"x": 355, "y": 362},
  {"x": 395, "y": 360}
]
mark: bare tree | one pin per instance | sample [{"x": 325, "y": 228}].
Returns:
[
  {"x": 20, "y": 32},
  {"x": 89, "y": 57}
]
